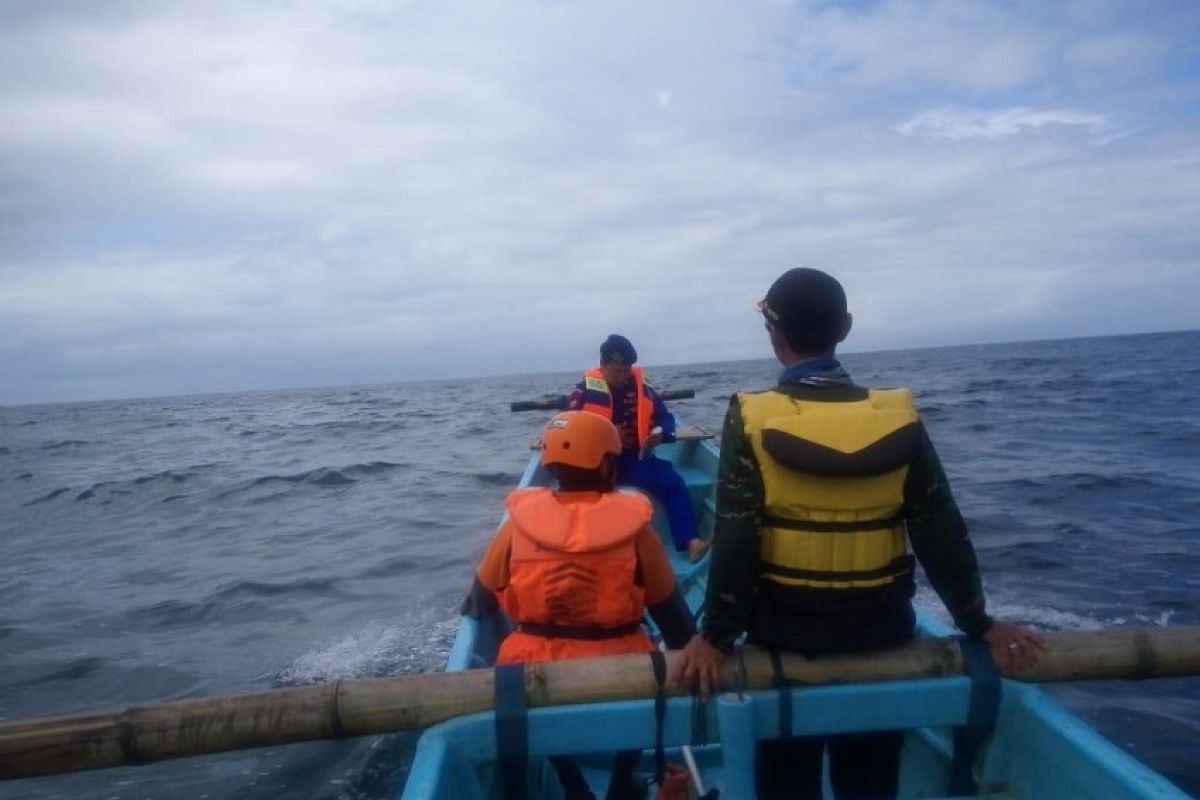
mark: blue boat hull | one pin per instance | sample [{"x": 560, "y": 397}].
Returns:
[{"x": 1037, "y": 751}]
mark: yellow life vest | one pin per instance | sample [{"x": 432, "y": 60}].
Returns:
[{"x": 833, "y": 475}]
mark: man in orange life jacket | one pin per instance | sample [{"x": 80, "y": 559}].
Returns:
[
  {"x": 577, "y": 567},
  {"x": 618, "y": 391}
]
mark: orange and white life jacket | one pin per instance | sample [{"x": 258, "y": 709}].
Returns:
[{"x": 597, "y": 398}]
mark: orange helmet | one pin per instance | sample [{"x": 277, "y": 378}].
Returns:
[{"x": 579, "y": 439}]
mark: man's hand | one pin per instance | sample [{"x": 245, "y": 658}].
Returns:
[
  {"x": 628, "y": 437},
  {"x": 1013, "y": 648},
  {"x": 653, "y": 440},
  {"x": 699, "y": 661}
]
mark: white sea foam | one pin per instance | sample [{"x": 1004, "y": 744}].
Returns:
[
  {"x": 408, "y": 644},
  {"x": 1043, "y": 617}
]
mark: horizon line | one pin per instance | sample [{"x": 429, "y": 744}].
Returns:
[{"x": 314, "y": 387}]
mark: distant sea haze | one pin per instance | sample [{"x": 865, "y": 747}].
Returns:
[{"x": 166, "y": 548}]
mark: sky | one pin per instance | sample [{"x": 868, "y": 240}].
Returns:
[{"x": 219, "y": 196}]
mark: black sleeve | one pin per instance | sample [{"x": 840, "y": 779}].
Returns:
[
  {"x": 480, "y": 602},
  {"x": 673, "y": 619},
  {"x": 941, "y": 543}
]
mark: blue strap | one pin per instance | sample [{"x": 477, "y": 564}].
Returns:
[
  {"x": 511, "y": 728},
  {"x": 785, "y": 695},
  {"x": 981, "y": 714}
]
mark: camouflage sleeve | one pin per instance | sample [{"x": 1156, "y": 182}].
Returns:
[
  {"x": 734, "y": 566},
  {"x": 941, "y": 542}
]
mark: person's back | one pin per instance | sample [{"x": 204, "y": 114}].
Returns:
[
  {"x": 573, "y": 562},
  {"x": 821, "y": 488},
  {"x": 577, "y": 567},
  {"x": 834, "y": 466}
]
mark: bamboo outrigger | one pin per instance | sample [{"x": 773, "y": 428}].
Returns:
[{"x": 413, "y": 702}]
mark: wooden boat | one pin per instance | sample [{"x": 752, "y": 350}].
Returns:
[{"x": 1036, "y": 750}]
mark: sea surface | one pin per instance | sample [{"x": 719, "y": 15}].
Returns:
[{"x": 166, "y": 548}]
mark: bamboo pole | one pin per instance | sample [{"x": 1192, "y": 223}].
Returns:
[
  {"x": 411, "y": 702},
  {"x": 555, "y": 402}
]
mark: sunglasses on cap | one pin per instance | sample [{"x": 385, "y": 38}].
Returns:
[{"x": 771, "y": 316}]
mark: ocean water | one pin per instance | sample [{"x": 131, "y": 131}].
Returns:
[{"x": 166, "y": 548}]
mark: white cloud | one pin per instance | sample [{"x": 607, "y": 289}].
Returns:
[
  {"x": 959, "y": 124},
  {"x": 237, "y": 188},
  {"x": 916, "y": 45}
]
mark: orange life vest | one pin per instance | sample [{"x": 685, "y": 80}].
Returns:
[
  {"x": 572, "y": 587},
  {"x": 597, "y": 398}
]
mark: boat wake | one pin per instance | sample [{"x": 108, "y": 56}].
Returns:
[
  {"x": 1043, "y": 617},
  {"x": 411, "y": 644}
]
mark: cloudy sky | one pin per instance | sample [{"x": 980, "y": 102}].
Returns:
[{"x": 227, "y": 195}]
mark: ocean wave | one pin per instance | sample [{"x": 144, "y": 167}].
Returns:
[
  {"x": 321, "y": 476},
  {"x": 1090, "y": 481},
  {"x": 391, "y": 568},
  {"x": 324, "y": 587},
  {"x": 988, "y": 385},
  {"x": 1060, "y": 619},
  {"x": 1024, "y": 362},
  {"x": 90, "y": 492},
  {"x": 1035, "y": 616},
  {"x": 357, "y": 426},
  {"x": 409, "y": 645},
  {"x": 71, "y": 671},
  {"x": 496, "y": 478},
  {"x": 168, "y": 477},
  {"x": 324, "y": 477},
  {"x": 48, "y": 497},
  {"x": 65, "y": 443},
  {"x": 1183, "y": 432},
  {"x": 375, "y": 467},
  {"x": 170, "y": 614},
  {"x": 148, "y": 577},
  {"x": 1081, "y": 481}
]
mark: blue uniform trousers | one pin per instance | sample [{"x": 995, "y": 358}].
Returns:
[{"x": 659, "y": 478}]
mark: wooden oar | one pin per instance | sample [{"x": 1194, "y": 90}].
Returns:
[
  {"x": 555, "y": 402},
  {"x": 381, "y": 705}
]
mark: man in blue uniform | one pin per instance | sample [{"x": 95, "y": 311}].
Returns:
[{"x": 618, "y": 390}]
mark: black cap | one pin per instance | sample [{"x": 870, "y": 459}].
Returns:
[
  {"x": 808, "y": 305},
  {"x": 617, "y": 348}
]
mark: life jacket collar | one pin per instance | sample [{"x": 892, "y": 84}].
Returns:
[
  {"x": 791, "y": 442},
  {"x": 579, "y": 522}
]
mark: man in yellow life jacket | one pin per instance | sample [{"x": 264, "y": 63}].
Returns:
[
  {"x": 577, "y": 567},
  {"x": 619, "y": 391},
  {"x": 822, "y": 486}
]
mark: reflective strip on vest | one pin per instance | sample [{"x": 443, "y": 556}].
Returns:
[
  {"x": 831, "y": 517},
  {"x": 597, "y": 398}
]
